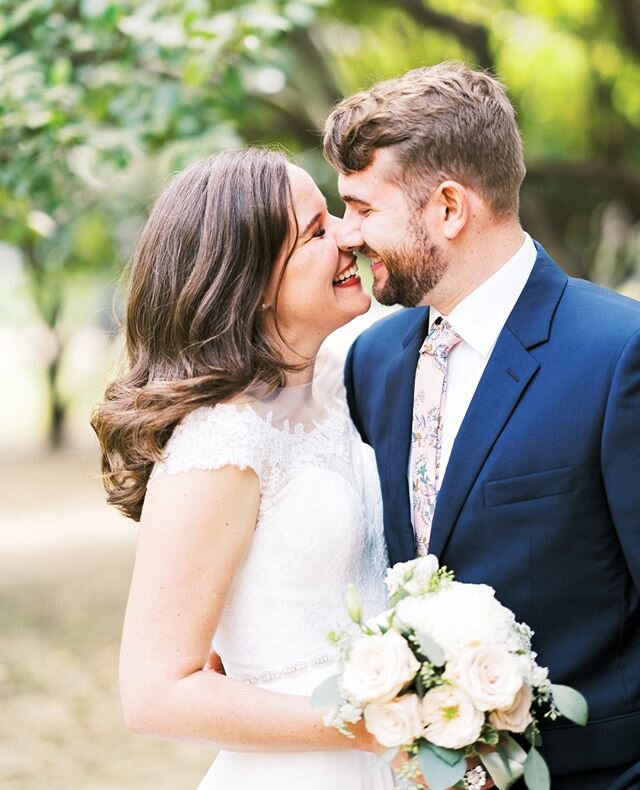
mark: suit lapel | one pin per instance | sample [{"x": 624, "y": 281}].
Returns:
[
  {"x": 509, "y": 371},
  {"x": 398, "y": 400}
]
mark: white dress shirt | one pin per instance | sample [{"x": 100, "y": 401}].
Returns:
[{"x": 478, "y": 319}]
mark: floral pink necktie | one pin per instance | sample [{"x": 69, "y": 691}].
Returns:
[{"x": 426, "y": 433}]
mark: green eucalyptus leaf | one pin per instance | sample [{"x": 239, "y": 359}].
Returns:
[
  {"x": 327, "y": 693},
  {"x": 440, "y": 773},
  {"x": 512, "y": 749},
  {"x": 536, "y": 773},
  {"x": 451, "y": 756},
  {"x": 430, "y": 649},
  {"x": 503, "y": 770},
  {"x": 570, "y": 703}
]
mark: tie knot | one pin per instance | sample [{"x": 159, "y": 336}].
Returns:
[{"x": 440, "y": 340}]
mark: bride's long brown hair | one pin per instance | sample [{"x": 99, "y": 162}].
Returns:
[{"x": 195, "y": 324}]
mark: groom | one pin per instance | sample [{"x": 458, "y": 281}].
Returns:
[{"x": 504, "y": 404}]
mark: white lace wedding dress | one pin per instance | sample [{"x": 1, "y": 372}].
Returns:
[{"x": 319, "y": 527}]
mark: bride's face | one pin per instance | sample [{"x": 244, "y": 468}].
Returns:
[{"x": 320, "y": 289}]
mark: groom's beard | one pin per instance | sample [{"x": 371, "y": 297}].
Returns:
[{"x": 413, "y": 270}]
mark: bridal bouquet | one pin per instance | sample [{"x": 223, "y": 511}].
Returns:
[{"x": 446, "y": 674}]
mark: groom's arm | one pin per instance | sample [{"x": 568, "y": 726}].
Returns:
[{"x": 621, "y": 453}]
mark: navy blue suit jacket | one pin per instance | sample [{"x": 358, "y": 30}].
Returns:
[{"x": 541, "y": 495}]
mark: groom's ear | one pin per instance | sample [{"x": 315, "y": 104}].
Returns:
[{"x": 453, "y": 208}]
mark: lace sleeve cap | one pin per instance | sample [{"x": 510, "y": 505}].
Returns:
[{"x": 212, "y": 437}]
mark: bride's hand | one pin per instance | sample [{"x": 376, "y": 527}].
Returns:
[{"x": 214, "y": 663}]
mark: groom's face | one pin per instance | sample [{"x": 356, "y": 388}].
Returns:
[{"x": 382, "y": 223}]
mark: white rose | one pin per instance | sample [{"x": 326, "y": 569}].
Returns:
[
  {"x": 378, "y": 667},
  {"x": 489, "y": 674},
  {"x": 380, "y": 621},
  {"x": 450, "y": 718},
  {"x": 395, "y": 723},
  {"x": 458, "y": 616},
  {"x": 414, "y": 575},
  {"x": 516, "y": 718}
]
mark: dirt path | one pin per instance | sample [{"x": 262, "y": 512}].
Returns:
[{"x": 65, "y": 562}]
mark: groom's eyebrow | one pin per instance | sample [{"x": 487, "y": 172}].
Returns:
[{"x": 353, "y": 199}]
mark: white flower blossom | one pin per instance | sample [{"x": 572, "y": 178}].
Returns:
[
  {"x": 457, "y": 617},
  {"x": 378, "y": 668}
]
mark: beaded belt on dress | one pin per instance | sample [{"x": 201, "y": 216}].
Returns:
[{"x": 300, "y": 666}]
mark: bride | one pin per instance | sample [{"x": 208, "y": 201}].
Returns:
[{"x": 257, "y": 501}]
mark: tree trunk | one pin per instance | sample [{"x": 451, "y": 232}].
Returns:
[{"x": 56, "y": 404}]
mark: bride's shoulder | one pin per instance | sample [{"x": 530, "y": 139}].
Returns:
[{"x": 211, "y": 437}]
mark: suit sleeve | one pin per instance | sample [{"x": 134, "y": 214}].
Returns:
[
  {"x": 621, "y": 453},
  {"x": 349, "y": 382}
]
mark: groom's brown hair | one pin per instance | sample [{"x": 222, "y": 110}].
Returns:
[{"x": 445, "y": 121}]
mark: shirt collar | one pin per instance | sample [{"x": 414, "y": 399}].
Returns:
[{"x": 480, "y": 316}]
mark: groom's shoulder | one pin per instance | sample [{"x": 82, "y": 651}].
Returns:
[
  {"x": 610, "y": 309},
  {"x": 389, "y": 333}
]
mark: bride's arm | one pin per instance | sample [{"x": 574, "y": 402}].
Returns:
[{"x": 195, "y": 530}]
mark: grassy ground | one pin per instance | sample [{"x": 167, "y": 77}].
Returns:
[{"x": 65, "y": 562}]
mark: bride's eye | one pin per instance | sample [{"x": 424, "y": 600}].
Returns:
[{"x": 319, "y": 233}]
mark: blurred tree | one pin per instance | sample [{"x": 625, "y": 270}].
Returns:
[
  {"x": 90, "y": 91},
  {"x": 100, "y": 99}
]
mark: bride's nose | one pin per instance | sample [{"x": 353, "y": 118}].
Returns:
[{"x": 333, "y": 228}]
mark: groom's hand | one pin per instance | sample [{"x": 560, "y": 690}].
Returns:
[
  {"x": 402, "y": 759},
  {"x": 474, "y": 763}
]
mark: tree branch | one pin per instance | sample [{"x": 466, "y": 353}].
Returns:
[
  {"x": 625, "y": 178},
  {"x": 628, "y": 13},
  {"x": 474, "y": 37}
]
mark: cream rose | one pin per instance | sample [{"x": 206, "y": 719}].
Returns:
[
  {"x": 457, "y": 617},
  {"x": 489, "y": 674},
  {"x": 516, "y": 718},
  {"x": 414, "y": 576},
  {"x": 378, "y": 667},
  {"x": 450, "y": 718},
  {"x": 395, "y": 723}
]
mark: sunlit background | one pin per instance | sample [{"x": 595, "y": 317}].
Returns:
[{"x": 99, "y": 102}]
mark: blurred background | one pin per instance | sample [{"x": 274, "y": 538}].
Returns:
[{"x": 99, "y": 102}]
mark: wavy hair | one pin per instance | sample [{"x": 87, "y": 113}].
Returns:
[{"x": 195, "y": 324}]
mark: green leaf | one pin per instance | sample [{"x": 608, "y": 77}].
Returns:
[
  {"x": 570, "y": 703},
  {"x": 430, "y": 649},
  {"x": 327, "y": 693},
  {"x": 440, "y": 773},
  {"x": 532, "y": 734},
  {"x": 503, "y": 770},
  {"x": 512, "y": 749},
  {"x": 451, "y": 756},
  {"x": 536, "y": 773},
  {"x": 354, "y": 604}
]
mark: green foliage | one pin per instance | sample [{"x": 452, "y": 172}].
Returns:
[
  {"x": 99, "y": 100},
  {"x": 570, "y": 703},
  {"x": 536, "y": 773},
  {"x": 442, "y": 768}
]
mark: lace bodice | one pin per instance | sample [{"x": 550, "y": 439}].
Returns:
[{"x": 319, "y": 527}]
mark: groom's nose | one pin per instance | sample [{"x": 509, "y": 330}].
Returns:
[{"x": 349, "y": 234}]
